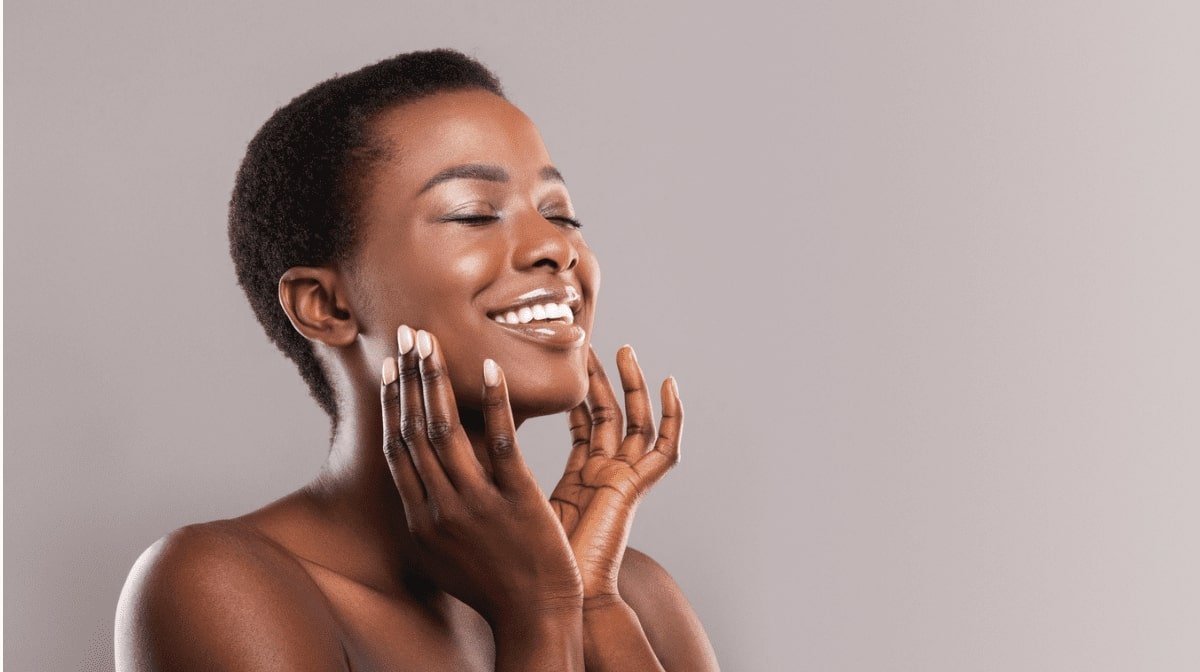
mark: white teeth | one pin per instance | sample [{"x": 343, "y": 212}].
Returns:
[{"x": 540, "y": 312}]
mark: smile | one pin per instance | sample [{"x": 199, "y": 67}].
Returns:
[
  {"x": 545, "y": 316},
  {"x": 539, "y": 312}
]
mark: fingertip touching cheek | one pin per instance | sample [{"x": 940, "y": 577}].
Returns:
[{"x": 469, "y": 233}]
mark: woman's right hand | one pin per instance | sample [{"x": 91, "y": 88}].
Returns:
[{"x": 492, "y": 542}]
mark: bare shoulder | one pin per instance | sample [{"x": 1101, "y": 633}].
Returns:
[
  {"x": 671, "y": 625},
  {"x": 219, "y": 596}
]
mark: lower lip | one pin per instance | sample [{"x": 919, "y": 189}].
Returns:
[{"x": 557, "y": 335}]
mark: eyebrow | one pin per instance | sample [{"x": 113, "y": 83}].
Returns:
[{"x": 482, "y": 171}]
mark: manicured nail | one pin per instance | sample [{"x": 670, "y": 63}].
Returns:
[
  {"x": 424, "y": 344},
  {"x": 404, "y": 338},
  {"x": 491, "y": 373},
  {"x": 390, "y": 372}
]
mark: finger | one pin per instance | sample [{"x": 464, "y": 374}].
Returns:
[
  {"x": 508, "y": 468},
  {"x": 404, "y": 472},
  {"x": 412, "y": 417},
  {"x": 639, "y": 415},
  {"x": 665, "y": 454},
  {"x": 580, "y": 422},
  {"x": 606, "y": 414},
  {"x": 442, "y": 426}
]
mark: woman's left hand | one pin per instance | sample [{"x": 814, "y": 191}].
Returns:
[{"x": 607, "y": 474}]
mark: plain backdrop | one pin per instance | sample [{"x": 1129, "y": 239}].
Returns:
[{"x": 926, "y": 272}]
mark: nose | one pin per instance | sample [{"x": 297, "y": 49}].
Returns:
[{"x": 543, "y": 243}]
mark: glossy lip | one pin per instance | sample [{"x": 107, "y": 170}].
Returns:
[
  {"x": 566, "y": 294},
  {"x": 557, "y": 335}
]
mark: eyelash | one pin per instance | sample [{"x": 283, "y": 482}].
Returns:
[
  {"x": 573, "y": 223},
  {"x": 479, "y": 220}
]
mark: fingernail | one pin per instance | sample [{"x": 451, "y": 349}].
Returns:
[
  {"x": 674, "y": 385},
  {"x": 424, "y": 344},
  {"x": 632, "y": 354},
  {"x": 390, "y": 373},
  {"x": 491, "y": 373},
  {"x": 404, "y": 338}
]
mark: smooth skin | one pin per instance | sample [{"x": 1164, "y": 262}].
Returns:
[{"x": 424, "y": 543}]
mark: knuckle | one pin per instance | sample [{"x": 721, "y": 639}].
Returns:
[
  {"x": 412, "y": 426},
  {"x": 391, "y": 400},
  {"x": 393, "y": 446},
  {"x": 523, "y": 499},
  {"x": 420, "y": 527},
  {"x": 473, "y": 511},
  {"x": 409, "y": 369},
  {"x": 640, "y": 429},
  {"x": 502, "y": 445},
  {"x": 605, "y": 414},
  {"x": 446, "y": 517},
  {"x": 432, "y": 373},
  {"x": 439, "y": 430}
]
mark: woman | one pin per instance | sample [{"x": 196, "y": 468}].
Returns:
[{"x": 403, "y": 236}]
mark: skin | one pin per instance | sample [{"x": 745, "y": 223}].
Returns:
[{"x": 424, "y": 543}]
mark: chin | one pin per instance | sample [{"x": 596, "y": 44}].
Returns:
[{"x": 555, "y": 391}]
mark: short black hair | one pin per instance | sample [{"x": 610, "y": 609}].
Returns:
[{"x": 294, "y": 198}]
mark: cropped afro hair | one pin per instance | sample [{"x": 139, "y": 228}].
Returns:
[{"x": 293, "y": 201}]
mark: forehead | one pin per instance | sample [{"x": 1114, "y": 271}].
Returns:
[{"x": 458, "y": 127}]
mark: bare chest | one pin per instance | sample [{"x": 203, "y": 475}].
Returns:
[{"x": 381, "y": 633}]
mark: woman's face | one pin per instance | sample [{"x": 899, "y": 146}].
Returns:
[{"x": 466, "y": 226}]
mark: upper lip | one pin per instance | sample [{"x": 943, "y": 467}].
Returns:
[{"x": 565, "y": 294}]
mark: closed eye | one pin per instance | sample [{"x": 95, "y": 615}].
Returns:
[
  {"x": 479, "y": 220},
  {"x": 473, "y": 220},
  {"x": 573, "y": 223}
]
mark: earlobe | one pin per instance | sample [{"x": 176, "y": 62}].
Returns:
[{"x": 314, "y": 301}]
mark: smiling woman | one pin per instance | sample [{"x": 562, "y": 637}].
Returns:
[{"x": 403, "y": 235}]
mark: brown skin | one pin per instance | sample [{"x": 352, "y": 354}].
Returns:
[{"x": 424, "y": 543}]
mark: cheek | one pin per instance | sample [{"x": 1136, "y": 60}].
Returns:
[
  {"x": 588, "y": 272},
  {"x": 453, "y": 275},
  {"x": 447, "y": 309},
  {"x": 429, "y": 285},
  {"x": 588, "y": 269},
  {"x": 472, "y": 265}
]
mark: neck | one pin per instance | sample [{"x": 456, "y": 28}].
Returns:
[{"x": 355, "y": 492}]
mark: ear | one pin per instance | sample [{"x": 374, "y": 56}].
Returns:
[{"x": 315, "y": 302}]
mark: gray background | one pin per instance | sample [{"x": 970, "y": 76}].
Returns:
[{"x": 927, "y": 273}]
